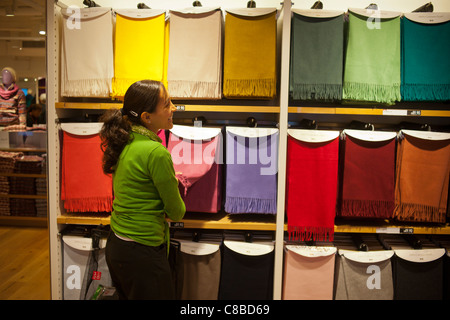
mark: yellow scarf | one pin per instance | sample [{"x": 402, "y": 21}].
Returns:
[
  {"x": 139, "y": 51},
  {"x": 250, "y": 56}
]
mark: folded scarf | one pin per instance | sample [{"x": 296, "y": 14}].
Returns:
[
  {"x": 139, "y": 51},
  {"x": 367, "y": 174},
  {"x": 87, "y": 53},
  {"x": 84, "y": 186},
  {"x": 308, "y": 273},
  {"x": 250, "y": 54},
  {"x": 195, "y": 56},
  {"x": 311, "y": 190},
  {"x": 364, "y": 275},
  {"x": 372, "y": 61},
  {"x": 251, "y": 166},
  {"x": 202, "y": 270},
  {"x": 425, "y": 58},
  {"x": 418, "y": 274},
  {"x": 317, "y": 48},
  {"x": 246, "y": 276},
  {"x": 422, "y": 176},
  {"x": 195, "y": 154}
]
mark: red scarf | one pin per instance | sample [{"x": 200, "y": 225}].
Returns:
[
  {"x": 84, "y": 186},
  {"x": 367, "y": 185},
  {"x": 312, "y": 176}
]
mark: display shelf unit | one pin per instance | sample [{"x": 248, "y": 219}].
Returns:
[
  {"x": 32, "y": 221},
  {"x": 282, "y": 109}
]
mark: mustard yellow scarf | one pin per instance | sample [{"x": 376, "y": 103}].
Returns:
[{"x": 250, "y": 54}]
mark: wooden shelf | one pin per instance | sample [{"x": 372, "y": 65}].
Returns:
[
  {"x": 271, "y": 109},
  {"x": 23, "y": 221},
  {"x": 191, "y": 221},
  {"x": 224, "y": 221},
  {"x": 23, "y": 175},
  {"x": 370, "y": 111},
  {"x": 394, "y": 228},
  {"x": 83, "y": 218},
  {"x": 23, "y": 150},
  {"x": 180, "y": 107},
  {"x": 23, "y": 196}
]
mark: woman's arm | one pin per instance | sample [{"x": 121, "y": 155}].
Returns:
[{"x": 163, "y": 175}]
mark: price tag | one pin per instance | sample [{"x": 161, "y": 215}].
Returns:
[
  {"x": 395, "y": 230},
  {"x": 398, "y": 112},
  {"x": 96, "y": 275},
  {"x": 177, "y": 224}
]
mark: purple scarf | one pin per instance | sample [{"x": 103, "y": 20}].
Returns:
[{"x": 251, "y": 167}]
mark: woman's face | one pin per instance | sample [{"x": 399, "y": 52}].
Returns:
[{"x": 161, "y": 118}]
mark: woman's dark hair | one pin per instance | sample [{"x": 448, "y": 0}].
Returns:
[{"x": 141, "y": 96}]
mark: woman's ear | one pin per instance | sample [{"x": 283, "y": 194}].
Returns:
[{"x": 145, "y": 117}]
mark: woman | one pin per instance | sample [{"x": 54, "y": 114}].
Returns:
[{"x": 145, "y": 192}]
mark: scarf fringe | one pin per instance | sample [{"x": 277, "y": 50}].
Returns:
[
  {"x": 97, "y": 204},
  {"x": 194, "y": 89},
  {"x": 372, "y": 92},
  {"x": 419, "y": 213},
  {"x": 425, "y": 92},
  {"x": 87, "y": 88},
  {"x": 317, "y": 91},
  {"x": 235, "y": 205},
  {"x": 299, "y": 233},
  {"x": 367, "y": 208},
  {"x": 257, "y": 88}
]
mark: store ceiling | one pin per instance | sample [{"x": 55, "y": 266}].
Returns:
[
  {"x": 21, "y": 45},
  {"x": 20, "y": 23}
]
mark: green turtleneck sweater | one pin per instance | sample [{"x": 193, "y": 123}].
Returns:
[{"x": 145, "y": 190}]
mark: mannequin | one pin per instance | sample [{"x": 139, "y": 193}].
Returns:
[{"x": 12, "y": 100}]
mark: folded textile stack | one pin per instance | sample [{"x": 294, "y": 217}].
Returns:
[
  {"x": 7, "y": 163},
  {"x": 4, "y": 185},
  {"x": 21, "y": 185},
  {"x": 41, "y": 186},
  {"x": 23, "y": 207},
  {"x": 28, "y": 164},
  {"x": 4, "y": 207},
  {"x": 41, "y": 207}
]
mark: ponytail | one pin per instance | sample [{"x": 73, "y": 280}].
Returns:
[{"x": 114, "y": 134}]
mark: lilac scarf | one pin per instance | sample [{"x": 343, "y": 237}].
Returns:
[{"x": 251, "y": 167}]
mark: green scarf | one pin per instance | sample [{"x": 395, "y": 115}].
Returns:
[
  {"x": 317, "y": 46},
  {"x": 372, "y": 62},
  {"x": 145, "y": 132}
]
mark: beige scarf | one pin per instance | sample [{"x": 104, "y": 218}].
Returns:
[{"x": 195, "y": 54}]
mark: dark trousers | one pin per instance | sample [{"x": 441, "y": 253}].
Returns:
[{"x": 139, "y": 272}]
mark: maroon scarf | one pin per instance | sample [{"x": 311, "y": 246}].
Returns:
[{"x": 367, "y": 178}]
